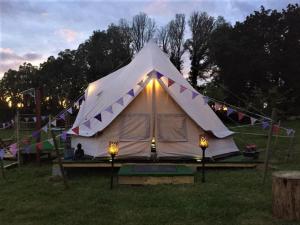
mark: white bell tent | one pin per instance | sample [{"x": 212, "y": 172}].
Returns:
[{"x": 148, "y": 99}]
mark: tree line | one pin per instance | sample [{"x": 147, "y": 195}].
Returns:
[{"x": 253, "y": 64}]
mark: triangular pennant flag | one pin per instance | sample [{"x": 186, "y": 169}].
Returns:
[
  {"x": 44, "y": 117},
  {"x": 109, "y": 109},
  {"x": 206, "y": 99},
  {"x": 170, "y": 82},
  {"x": 120, "y": 101},
  {"x": 27, "y": 149},
  {"x": 253, "y": 120},
  {"x": 131, "y": 93},
  {"x": 35, "y": 134},
  {"x": 13, "y": 149},
  {"x": 99, "y": 117},
  {"x": 81, "y": 99},
  {"x": 53, "y": 123},
  {"x": 275, "y": 129},
  {"x": 87, "y": 124},
  {"x": 240, "y": 115},
  {"x": 141, "y": 83},
  {"x": 64, "y": 135},
  {"x": 26, "y": 119},
  {"x": 290, "y": 132},
  {"x": 50, "y": 142},
  {"x": 265, "y": 124},
  {"x": 151, "y": 73},
  {"x": 70, "y": 110},
  {"x": 76, "y": 130},
  {"x": 159, "y": 75},
  {"x": 2, "y": 153},
  {"x": 194, "y": 94},
  {"x": 45, "y": 128},
  {"x": 76, "y": 105},
  {"x": 229, "y": 111},
  {"x": 39, "y": 146},
  {"x": 62, "y": 116},
  {"x": 182, "y": 88},
  {"x": 34, "y": 119}
]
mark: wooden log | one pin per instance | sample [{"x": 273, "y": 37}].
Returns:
[{"x": 286, "y": 195}]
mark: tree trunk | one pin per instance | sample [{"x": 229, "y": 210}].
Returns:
[{"x": 286, "y": 195}]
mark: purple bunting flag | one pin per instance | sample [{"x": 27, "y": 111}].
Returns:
[
  {"x": 45, "y": 128},
  {"x": 64, "y": 135},
  {"x": 265, "y": 124},
  {"x": 131, "y": 93},
  {"x": 27, "y": 149},
  {"x": 109, "y": 109},
  {"x": 182, "y": 88},
  {"x": 2, "y": 153},
  {"x": 13, "y": 149},
  {"x": 99, "y": 117},
  {"x": 36, "y": 133},
  {"x": 194, "y": 94},
  {"x": 87, "y": 124},
  {"x": 229, "y": 111},
  {"x": 159, "y": 75},
  {"x": 120, "y": 101},
  {"x": 70, "y": 110},
  {"x": 62, "y": 116}
]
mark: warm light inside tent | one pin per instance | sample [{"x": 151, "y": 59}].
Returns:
[
  {"x": 153, "y": 145},
  {"x": 91, "y": 88},
  {"x": 113, "y": 148},
  {"x": 150, "y": 85}
]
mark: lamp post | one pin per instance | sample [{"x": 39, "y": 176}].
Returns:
[
  {"x": 203, "y": 143},
  {"x": 113, "y": 149}
]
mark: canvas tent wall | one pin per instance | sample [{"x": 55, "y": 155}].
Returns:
[{"x": 148, "y": 98}]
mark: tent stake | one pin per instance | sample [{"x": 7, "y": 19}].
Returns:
[
  {"x": 268, "y": 152},
  {"x": 59, "y": 160}
]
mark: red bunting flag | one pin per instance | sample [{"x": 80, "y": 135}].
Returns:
[
  {"x": 39, "y": 146},
  {"x": 275, "y": 129},
  {"x": 170, "y": 82},
  {"x": 76, "y": 130},
  {"x": 241, "y": 115}
]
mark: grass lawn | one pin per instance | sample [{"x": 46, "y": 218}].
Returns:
[{"x": 233, "y": 197}]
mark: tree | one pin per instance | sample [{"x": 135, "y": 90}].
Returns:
[
  {"x": 176, "y": 40},
  {"x": 163, "y": 38},
  {"x": 201, "y": 26},
  {"x": 142, "y": 30}
]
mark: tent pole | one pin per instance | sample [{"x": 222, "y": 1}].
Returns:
[
  {"x": 267, "y": 155},
  {"x": 154, "y": 112}
]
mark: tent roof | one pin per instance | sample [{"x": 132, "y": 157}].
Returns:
[{"x": 102, "y": 95}]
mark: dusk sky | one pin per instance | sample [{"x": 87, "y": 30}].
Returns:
[{"x": 33, "y": 30}]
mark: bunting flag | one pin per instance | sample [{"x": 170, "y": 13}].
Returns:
[
  {"x": 275, "y": 129},
  {"x": 26, "y": 119},
  {"x": 39, "y": 146},
  {"x": 206, "y": 99},
  {"x": 240, "y": 116},
  {"x": 109, "y": 109},
  {"x": 48, "y": 144},
  {"x": 99, "y": 117},
  {"x": 35, "y": 134},
  {"x": 159, "y": 75},
  {"x": 64, "y": 135},
  {"x": 76, "y": 130},
  {"x": 13, "y": 149},
  {"x": 70, "y": 110},
  {"x": 87, "y": 124},
  {"x": 230, "y": 111},
  {"x": 45, "y": 128},
  {"x": 44, "y": 117},
  {"x": 253, "y": 120},
  {"x": 290, "y": 132},
  {"x": 131, "y": 93},
  {"x": 34, "y": 119},
  {"x": 81, "y": 99},
  {"x": 120, "y": 101},
  {"x": 62, "y": 116},
  {"x": 170, "y": 82},
  {"x": 194, "y": 94},
  {"x": 76, "y": 105},
  {"x": 27, "y": 149},
  {"x": 182, "y": 88},
  {"x": 141, "y": 83},
  {"x": 2, "y": 154},
  {"x": 54, "y": 123},
  {"x": 265, "y": 124}
]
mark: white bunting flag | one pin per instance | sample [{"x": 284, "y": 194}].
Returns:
[{"x": 253, "y": 120}]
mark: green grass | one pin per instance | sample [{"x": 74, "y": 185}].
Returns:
[{"x": 233, "y": 197}]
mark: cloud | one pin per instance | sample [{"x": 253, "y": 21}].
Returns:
[
  {"x": 11, "y": 60},
  {"x": 68, "y": 35}
]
